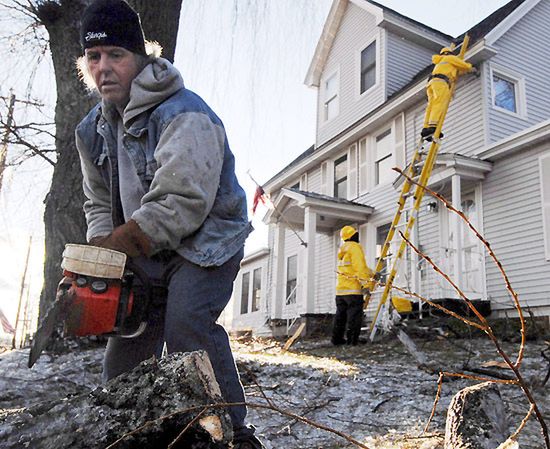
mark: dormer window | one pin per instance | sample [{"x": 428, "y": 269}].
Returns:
[
  {"x": 331, "y": 104},
  {"x": 368, "y": 67}
]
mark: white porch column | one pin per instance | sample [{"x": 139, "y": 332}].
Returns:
[
  {"x": 277, "y": 280},
  {"x": 308, "y": 282},
  {"x": 456, "y": 224}
]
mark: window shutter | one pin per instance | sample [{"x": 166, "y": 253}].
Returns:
[
  {"x": 545, "y": 190},
  {"x": 324, "y": 175},
  {"x": 327, "y": 178},
  {"x": 399, "y": 140},
  {"x": 352, "y": 172},
  {"x": 363, "y": 166},
  {"x": 303, "y": 182}
]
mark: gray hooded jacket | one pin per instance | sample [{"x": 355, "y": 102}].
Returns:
[{"x": 183, "y": 191}]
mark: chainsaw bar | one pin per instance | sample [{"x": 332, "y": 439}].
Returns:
[{"x": 51, "y": 320}]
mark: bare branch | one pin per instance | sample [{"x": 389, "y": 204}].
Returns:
[{"x": 491, "y": 253}]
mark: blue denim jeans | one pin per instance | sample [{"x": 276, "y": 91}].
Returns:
[{"x": 196, "y": 297}]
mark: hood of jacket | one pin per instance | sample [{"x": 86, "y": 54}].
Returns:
[{"x": 157, "y": 81}]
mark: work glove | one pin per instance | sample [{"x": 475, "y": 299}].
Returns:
[{"x": 128, "y": 238}]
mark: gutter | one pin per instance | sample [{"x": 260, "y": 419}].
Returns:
[{"x": 527, "y": 138}]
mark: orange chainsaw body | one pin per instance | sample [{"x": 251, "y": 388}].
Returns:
[{"x": 97, "y": 305}]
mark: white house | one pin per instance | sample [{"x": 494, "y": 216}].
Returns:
[{"x": 370, "y": 69}]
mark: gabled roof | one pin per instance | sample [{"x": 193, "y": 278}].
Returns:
[
  {"x": 384, "y": 17},
  {"x": 500, "y": 21},
  {"x": 483, "y": 35}
]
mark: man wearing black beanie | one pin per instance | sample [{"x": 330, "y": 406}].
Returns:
[{"x": 160, "y": 184}]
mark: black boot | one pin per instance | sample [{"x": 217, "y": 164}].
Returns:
[{"x": 427, "y": 133}]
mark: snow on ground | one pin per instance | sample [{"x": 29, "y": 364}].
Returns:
[{"x": 372, "y": 393}]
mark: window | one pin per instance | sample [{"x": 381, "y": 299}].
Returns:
[
  {"x": 508, "y": 91},
  {"x": 256, "y": 289},
  {"x": 368, "y": 67},
  {"x": 244, "y": 293},
  {"x": 505, "y": 93},
  {"x": 331, "y": 97},
  {"x": 291, "y": 279},
  {"x": 381, "y": 234},
  {"x": 384, "y": 159},
  {"x": 341, "y": 177}
]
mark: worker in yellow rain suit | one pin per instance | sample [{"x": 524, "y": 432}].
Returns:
[
  {"x": 353, "y": 276},
  {"x": 447, "y": 69}
]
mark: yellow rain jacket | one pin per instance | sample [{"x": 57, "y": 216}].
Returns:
[
  {"x": 450, "y": 65},
  {"x": 353, "y": 272}
]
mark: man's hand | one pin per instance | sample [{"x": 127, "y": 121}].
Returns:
[{"x": 128, "y": 238}]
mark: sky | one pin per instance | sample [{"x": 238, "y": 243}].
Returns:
[{"x": 248, "y": 59}]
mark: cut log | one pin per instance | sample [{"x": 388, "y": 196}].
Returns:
[
  {"x": 141, "y": 408},
  {"x": 476, "y": 418}
]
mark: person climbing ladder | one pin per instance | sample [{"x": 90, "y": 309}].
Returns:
[{"x": 448, "y": 67}]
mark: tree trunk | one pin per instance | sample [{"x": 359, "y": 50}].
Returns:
[
  {"x": 476, "y": 418},
  {"x": 63, "y": 218},
  {"x": 145, "y": 398},
  {"x": 160, "y": 22}
]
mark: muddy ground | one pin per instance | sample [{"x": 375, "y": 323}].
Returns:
[{"x": 373, "y": 393}]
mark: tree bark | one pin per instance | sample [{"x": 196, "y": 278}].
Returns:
[
  {"x": 476, "y": 418},
  {"x": 138, "y": 407},
  {"x": 63, "y": 218}
]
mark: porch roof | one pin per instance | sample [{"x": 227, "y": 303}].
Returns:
[
  {"x": 331, "y": 213},
  {"x": 448, "y": 165}
]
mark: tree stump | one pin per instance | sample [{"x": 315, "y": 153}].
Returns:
[
  {"x": 144, "y": 408},
  {"x": 476, "y": 418}
]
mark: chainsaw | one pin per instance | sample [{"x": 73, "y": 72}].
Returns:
[{"x": 96, "y": 296}]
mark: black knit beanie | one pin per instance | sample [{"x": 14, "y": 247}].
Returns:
[{"x": 112, "y": 22}]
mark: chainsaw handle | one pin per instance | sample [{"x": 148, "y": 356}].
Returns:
[{"x": 143, "y": 277}]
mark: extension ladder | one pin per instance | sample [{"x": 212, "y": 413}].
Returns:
[{"x": 420, "y": 169}]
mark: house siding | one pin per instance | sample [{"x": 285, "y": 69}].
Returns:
[
  {"x": 314, "y": 180},
  {"x": 526, "y": 60},
  {"x": 358, "y": 28},
  {"x": 404, "y": 60},
  {"x": 512, "y": 220}
]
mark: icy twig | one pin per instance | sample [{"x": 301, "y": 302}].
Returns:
[
  {"x": 523, "y": 423},
  {"x": 188, "y": 426},
  {"x": 436, "y": 400}
]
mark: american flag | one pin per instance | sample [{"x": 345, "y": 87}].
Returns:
[
  {"x": 8, "y": 328},
  {"x": 258, "y": 197}
]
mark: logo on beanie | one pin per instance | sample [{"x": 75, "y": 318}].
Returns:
[{"x": 95, "y": 35}]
